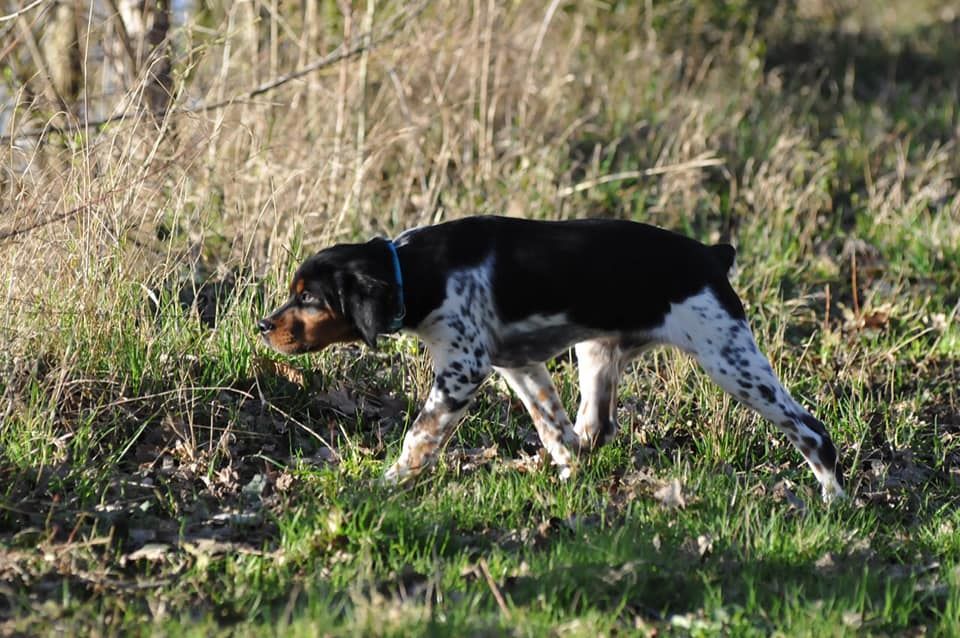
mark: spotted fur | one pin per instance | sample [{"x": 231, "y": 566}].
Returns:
[{"x": 495, "y": 294}]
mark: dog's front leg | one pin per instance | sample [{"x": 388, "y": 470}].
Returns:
[
  {"x": 533, "y": 385},
  {"x": 455, "y": 386}
]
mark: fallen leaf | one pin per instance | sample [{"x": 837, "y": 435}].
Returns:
[
  {"x": 826, "y": 563},
  {"x": 471, "y": 458},
  {"x": 783, "y": 493},
  {"x": 877, "y": 318},
  {"x": 339, "y": 401},
  {"x": 852, "y": 619},
  {"x": 254, "y": 489},
  {"x": 524, "y": 463},
  {"x": 384, "y": 406},
  {"x": 151, "y": 552},
  {"x": 206, "y": 547},
  {"x": 671, "y": 495},
  {"x": 263, "y": 365},
  {"x": 227, "y": 478},
  {"x": 284, "y": 482}
]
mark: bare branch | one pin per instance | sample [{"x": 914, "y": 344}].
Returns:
[
  {"x": 121, "y": 30},
  {"x": 20, "y": 12},
  {"x": 363, "y": 43},
  {"x": 694, "y": 164},
  {"x": 52, "y": 219},
  {"x": 49, "y": 86}
]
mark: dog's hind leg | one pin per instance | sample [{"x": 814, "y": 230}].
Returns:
[
  {"x": 598, "y": 366},
  {"x": 723, "y": 344}
]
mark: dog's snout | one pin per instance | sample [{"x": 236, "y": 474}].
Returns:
[{"x": 265, "y": 326}]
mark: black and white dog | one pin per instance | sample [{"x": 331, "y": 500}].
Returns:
[{"x": 494, "y": 293}]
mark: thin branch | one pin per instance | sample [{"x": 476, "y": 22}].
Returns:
[
  {"x": 16, "y": 232},
  {"x": 20, "y": 12},
  {"x": 364, "y": 43},
  {"x": 492, "y": 584},
  {"x": 13, "y": 42},
  {"x": 625, "y": 175},
  {"x": 52, "y": 219},
  {"x": 50, "y": 89},
  {"x": 121, "y": 30}
]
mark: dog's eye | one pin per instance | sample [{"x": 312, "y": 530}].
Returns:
[{"x": 306, "y": 298}]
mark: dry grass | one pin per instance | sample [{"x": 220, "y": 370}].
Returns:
[{"x": 820, "y": 137}]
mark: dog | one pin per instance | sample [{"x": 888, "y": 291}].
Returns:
[{"x": 502, "y": 294}]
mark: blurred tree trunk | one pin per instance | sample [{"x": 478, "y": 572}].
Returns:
[
  {"x": 61, "y": 50},
  {"x": 145, "y": 27}
]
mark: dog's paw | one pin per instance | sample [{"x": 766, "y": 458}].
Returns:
[
  {"x": 833, "y": 494},
  {"x": 392, "y": 477},
  {"x": 397, "y": 475}
]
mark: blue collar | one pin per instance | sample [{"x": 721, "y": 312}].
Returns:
[{"x": 397, "y": 322}]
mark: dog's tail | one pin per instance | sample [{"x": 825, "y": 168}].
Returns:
[{"x": 725, "y": 255}]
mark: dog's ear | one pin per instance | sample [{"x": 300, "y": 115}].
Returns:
[{"x": 366, "y": 303}]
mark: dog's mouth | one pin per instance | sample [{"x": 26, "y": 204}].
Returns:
[
  {"x": 286, "y": 346},
  {"x": 293, "y": 330}
]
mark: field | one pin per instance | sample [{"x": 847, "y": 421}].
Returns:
[{"x": 161, "y": 472}]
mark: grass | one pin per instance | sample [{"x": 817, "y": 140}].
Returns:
[{"x": 162, "y": 473}]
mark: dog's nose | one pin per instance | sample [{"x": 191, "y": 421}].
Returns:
[{"x": 265, "y": 326}]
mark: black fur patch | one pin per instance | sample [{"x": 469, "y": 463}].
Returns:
[{"x": 574, "y": 267}]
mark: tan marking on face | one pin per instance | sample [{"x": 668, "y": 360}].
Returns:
[
  {"x": 298, "y": 330},
  {"x": 298, "y": 286}
]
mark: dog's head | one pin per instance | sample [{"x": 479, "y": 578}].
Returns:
[{"x": 343, "y": 293}]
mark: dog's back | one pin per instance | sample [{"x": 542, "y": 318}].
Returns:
[{"x": 607, "y": 274}]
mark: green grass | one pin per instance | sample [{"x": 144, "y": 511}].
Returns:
[{"x": 163, "y": 475}]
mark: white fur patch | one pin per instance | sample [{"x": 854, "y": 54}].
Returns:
[{"x": 726, "y": 349}]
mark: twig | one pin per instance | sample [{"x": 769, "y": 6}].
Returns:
[
  {"x": 26, "y": 33},
  {"x": 216, "y": 388},
  {"x": 362, "y": 110},
  {"x": 121, "y": 29},
  {"x": 16, "y": 232},
  {"x": 340, "y": 53},
  {"x": 419, "y": 160},
  {"x": 501, "y": 603},
  {"x": 853, "y": 283},
  {"x": 16, "y": 14},
  {"x": 534, "y": 53},
  {"x": 826, "y": 313},
  {"x": 485, "y": 151},
  {"x": 650, "y": 172},
  {"x": 347, "y": 13}
]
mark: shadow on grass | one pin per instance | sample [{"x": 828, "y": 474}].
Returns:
[{"x": 632, "y": 567}]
